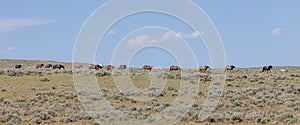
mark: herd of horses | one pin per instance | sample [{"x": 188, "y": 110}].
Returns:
[
  {"x": 145, "y": 67},
  {"x": 48, "y": 66}
]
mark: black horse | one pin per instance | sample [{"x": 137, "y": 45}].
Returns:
[
  {"x": 122, "y": 67},
  {"x": 267, "y": 68},
  {"x": 59, "y": 66},
  {"x": 18, "y": 66}
]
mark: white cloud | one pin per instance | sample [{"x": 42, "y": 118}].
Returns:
[
  {"x": 141, "y": 41},
  {"x": 10, "y": 49},
  {"x": 197, "y": 34},
  {"x": 276, "y": 32},
  {"x": 7, "y": 25},
  {"x": 166, "y": 37},
  {"x": 112, "y": 32}
]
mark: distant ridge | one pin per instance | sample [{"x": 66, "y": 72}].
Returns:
[{"x": 10, "y": 63}]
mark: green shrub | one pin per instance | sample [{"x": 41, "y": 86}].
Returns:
[{"x": 44, "y": 79}]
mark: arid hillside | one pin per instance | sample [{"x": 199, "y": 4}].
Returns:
[{"x": 47, "y": 96}]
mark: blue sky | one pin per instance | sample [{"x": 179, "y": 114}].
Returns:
[{"x": 254, "y": 33}]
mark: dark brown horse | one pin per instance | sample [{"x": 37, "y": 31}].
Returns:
[
  {"x": 147, "y": 67},
  {"x": 109, "y": 67},
  {"x": 39, "y": 66},
  {"x": 172, "y": 68},
  {"x": 95, "y": 66},
  {"x": 48, "y": 66},
  {"x": 203, "y": 68}
]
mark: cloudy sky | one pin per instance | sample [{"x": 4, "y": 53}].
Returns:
[{"x": 254, "y": 33}]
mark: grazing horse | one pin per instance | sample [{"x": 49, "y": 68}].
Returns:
[
  {"x": 95, "y": 66},
  {"x": 48, "y": 66},
  {"x": 147, "y": 67},
  {"x": 122, "y": 67},
  {"x": 267, "y": 68},
  {"x": 175, "y": 68},
  {"x": 203, "y": 68},
  {"x": 58, "y": 66},
  {"x": 39, "y": 66},
  {"x": 230, "y": 68},
  {"x": 109, "y": 67},
  {"x": 18, "y": 66},
  {"x": 78, "y": 66}
]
